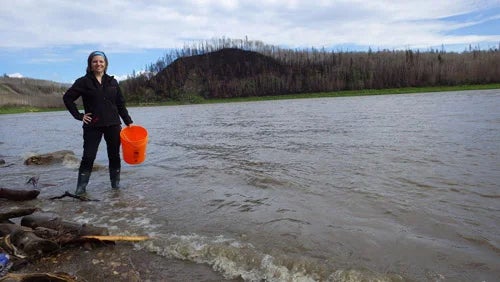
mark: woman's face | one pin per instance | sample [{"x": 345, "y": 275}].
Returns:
[{"x": 98, "y": 64}]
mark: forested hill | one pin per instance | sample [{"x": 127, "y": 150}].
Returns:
[
  {"x": 221, "y": 74},
  {"x": 31, "y": 92},
  {"x": 234, "y": 72}
]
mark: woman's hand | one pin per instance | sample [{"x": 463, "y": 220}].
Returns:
[{"x": 87, "y": 118}]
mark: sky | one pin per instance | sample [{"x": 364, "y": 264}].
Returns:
[{"x": 51, "y": 39}]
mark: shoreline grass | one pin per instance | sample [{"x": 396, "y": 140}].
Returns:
[
  {"x": 26, "y": 109},
  {"x": 365, "y": 92},
  {"x": 345, "y": 93}
]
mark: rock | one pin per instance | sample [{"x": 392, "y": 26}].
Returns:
[
  {"x": 49, "y": 158},
  {"x": 64, "y": 157}
]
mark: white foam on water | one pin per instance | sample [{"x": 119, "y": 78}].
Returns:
[
  {"x": 359, "y": 275},
  {"x": 235, "y": 259}
]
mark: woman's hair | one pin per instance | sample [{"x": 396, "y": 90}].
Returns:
[{"x": 92, "y": 55}]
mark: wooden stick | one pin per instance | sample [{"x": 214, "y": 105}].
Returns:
[
  {"x": 68, "y": 194},
  {"x": 59, "y": 277},
  {"x": 117, "y": 238},
  {"x": 16, "y": 213},
  {"x": 18, "y": 195}
]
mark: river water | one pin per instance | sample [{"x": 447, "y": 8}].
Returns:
[{"x": 389, "y": 187}]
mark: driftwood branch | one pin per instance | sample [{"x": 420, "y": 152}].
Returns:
[
  {"x": 16, "y": 213},
  {"x": 68, "y": 194},
  {"x": 117, "y": 238},
  {"x": 18, "y": 195},
  {"x": 41, "y": 234},
  {"x": 53, "y": 277},
  {"x": 33, "y": 181},
  {"x": 62, "y": 226},
  {"x": 18, "y": 238}
]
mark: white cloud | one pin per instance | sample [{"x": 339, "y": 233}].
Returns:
[
  {"x": 121, "y": 77},
  {"x": 122, "y": 24},
  {"x": 126, "y": 76},
  {"x": 15, "y": 75}
]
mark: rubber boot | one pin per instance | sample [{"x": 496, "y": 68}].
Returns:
[
  {"x": 83, "y": 180},
  {"x": 114, "y": 176}
]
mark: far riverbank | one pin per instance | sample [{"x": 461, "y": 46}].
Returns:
[{"x": 346, "y": 93}]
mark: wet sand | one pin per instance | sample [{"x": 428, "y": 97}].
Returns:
[{"x": 121, "y": 262}]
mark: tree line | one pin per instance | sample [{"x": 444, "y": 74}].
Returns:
[{"x": 190, "y": 72}]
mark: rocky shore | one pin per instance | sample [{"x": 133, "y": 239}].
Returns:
[{"x": 43, "y": 246}]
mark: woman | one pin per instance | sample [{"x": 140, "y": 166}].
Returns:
[{"x": 104, "y": 104}]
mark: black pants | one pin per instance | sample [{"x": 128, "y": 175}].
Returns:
[{"x": 92, "y": 137}]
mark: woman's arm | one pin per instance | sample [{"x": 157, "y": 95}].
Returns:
[{"x": 69, "y": 98}]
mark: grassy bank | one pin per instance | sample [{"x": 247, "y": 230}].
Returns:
[
  {"x": 24, "y": 109},
  {"x": 366, "y": 92}
]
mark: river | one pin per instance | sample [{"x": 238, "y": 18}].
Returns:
[{"x": 388, "y": 187}]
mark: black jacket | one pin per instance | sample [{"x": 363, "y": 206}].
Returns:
[{"x": 105, "y": 101}]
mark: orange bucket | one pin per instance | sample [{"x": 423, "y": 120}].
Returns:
[{"x": 134, "y": 139}]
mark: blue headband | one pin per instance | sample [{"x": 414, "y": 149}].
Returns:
[{"x": 98, "y": 53}]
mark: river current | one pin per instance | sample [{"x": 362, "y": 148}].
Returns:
[{"x": 389, "y": 187}]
